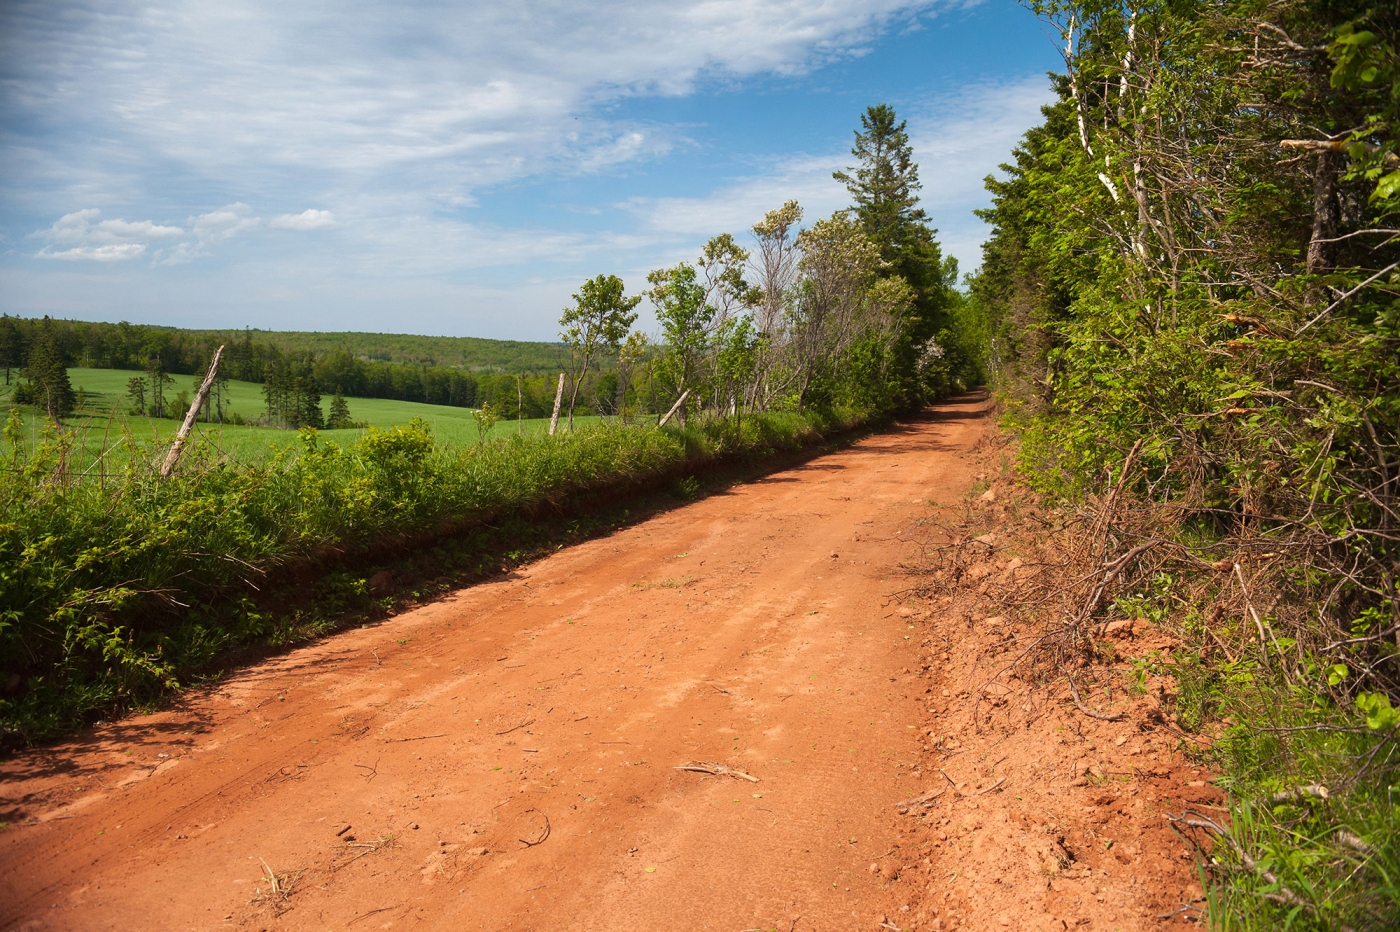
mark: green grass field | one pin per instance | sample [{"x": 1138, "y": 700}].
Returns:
[{"x": 103, "y": 417}]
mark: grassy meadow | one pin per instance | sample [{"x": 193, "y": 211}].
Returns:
[{"x": 103, "y": 418}]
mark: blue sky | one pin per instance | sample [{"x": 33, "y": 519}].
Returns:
[{"x": 459, "y": 168}]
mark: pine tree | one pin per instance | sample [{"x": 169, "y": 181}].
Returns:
[
  {"x": 885, "y": 192},
  {"x": 307, "y": 393},
  {"x": 47, "y": 375},
  {"x": 11, "y": 346},
  {"x": 885, "y": 187},
  {"x": 136, "y": 390},
  {"x": 340, "y": 412}
]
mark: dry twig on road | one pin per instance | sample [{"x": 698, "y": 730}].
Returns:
[{"x": 718, "y": 770}]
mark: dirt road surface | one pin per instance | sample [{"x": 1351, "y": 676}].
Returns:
[{"x": 505, "y": 758}]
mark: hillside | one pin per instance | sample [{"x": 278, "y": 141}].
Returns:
[{"x": 474, "y": 353}]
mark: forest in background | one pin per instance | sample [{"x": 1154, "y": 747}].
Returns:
[{"x": 1193, "y": 309}]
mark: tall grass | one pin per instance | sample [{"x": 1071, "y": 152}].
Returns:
[{"x": 118, "y": 591}]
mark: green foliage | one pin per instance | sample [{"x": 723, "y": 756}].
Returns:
[
  {"x": 486, "y": 418},
  {"x": 885, "y": 185},
  {"x": 1193, "y": 257},
  {"x": 339, "y": 417},
  {"x": 685, "y": 317}
]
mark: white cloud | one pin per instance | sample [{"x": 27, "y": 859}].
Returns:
[
  {"x": 111, "y": 253},
  {"x": 78, "y": 228},
  {"x": 306, "y": 220},
  {"x": 115, "y": 240},
  {"x": 223, "y": 223},
  {"x": 501, "y": 90}
]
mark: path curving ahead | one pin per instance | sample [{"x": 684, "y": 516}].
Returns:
[{"x": 504, "y": 758}]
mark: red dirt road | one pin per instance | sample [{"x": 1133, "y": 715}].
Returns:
[{"x": 538, "y": 719}]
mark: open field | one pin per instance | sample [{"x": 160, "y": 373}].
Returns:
[{"x": 104, "y": 417}]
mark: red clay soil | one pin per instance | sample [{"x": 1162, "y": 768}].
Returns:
[{"x": 506, "y": 758}]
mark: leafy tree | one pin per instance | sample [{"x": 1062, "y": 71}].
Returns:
[
  {"x": 47, "y": 375},
  {"x": 599, "y": 320},
  {"x": 685, "y": 317},
  {"x": 630, "y": 358}
]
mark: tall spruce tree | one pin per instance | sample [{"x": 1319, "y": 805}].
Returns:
[
  {"x": 48, "y": 377},
  {"x": 11, "y": 346},
  {"x": 306, "y": 392},
  {"x": 340, "y": 412},
  {"x": 885, "y": 186},
  {"x": 884, "y": 189}
]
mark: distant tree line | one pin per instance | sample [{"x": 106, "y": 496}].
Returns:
[{"x": 172, "y": 351}]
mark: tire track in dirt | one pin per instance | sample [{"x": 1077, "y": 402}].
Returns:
[{"x": 749, "y": 628}]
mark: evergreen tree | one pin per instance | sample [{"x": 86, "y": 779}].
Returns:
[
  {"x": 885, "y": 187},
  {"x": 340, "y": 412},
  {"x": 885, "y": 190},
  {"x": 11, "y": 346},
  {"x": 49, "y": 387},
  {"x": 155, "y": 368},
  {"x": 136, "y": 391},
  {"x": 307, "y": 394}
]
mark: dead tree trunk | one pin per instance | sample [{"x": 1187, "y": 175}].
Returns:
[
  {"x": 178, "y": 446},
  {"x": 674, "y": 408},
  {"x": 558, "y": 400},
  {"x": 1327, "y": 211}
]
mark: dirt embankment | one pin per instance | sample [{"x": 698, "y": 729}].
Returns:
[{"x": 506, "y": 758}]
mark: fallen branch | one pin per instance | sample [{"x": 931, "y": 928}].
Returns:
[
  {"x": 382, "y": 909},
  {"x": 717, "y": 770},
  {"x": 1101, "y": 716},
  {"x": 990, "y": 788},
  {"x": 925, "y": 801},
  {"x": 1300, "y": 793},
  {"x": 543, "y": 836},
  {"x": 518, "y": 727},
  {"x": 674, "y": 408},
  {"x": 173, "y": 456},
  {"x": 1283, "y": 894}
]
